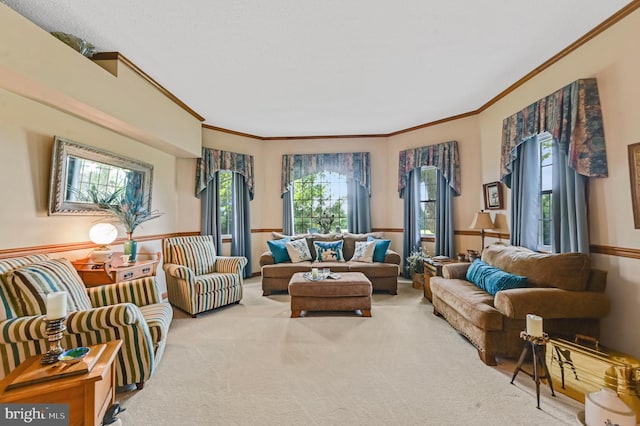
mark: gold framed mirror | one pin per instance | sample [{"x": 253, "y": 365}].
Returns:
[{"x": 77, "y": 168}]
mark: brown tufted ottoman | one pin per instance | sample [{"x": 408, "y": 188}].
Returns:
[{"x": 351, "y": 292}]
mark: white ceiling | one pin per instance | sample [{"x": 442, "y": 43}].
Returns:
[{"x": 327, "y": 67}]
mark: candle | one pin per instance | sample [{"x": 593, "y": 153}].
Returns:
[
  {"x": 56, "y": 305},
  {"x": 314, "y": 273},
  {"x": 534, "y": 325}
]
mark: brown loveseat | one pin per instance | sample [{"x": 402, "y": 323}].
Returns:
[
  {"x": 383, "y": 276},
  {"x": 561, "y": 288}
]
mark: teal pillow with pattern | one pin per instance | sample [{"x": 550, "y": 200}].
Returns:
[{"x": 329, "y": 251}]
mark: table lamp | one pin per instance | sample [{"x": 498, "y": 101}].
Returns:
[
  {"x": 482, "y": 220},
  {"x": 102, "y": 234}
]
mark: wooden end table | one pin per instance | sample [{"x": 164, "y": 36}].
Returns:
[
  {"x": 88, "y": 395},
  {"x": 94, "y": 274}
]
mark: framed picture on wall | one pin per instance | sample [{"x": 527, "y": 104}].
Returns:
[
  {"x": 493, "y": 196},
  {"x": 634, "y": 173}
]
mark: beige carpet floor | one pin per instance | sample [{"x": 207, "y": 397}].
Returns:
[{"x": 250, "y": 364}]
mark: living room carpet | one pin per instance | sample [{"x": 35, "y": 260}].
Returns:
[{"x": 250, "y": 364}]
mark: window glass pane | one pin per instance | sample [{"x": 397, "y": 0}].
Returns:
[
  {"x": 427, "y": 219},
  {"x": 320, "y": 202},
  {"x": 225, "y": 206},
  {"x": 545, "y": 223}
]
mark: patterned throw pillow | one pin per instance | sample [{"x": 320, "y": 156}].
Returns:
[
  {"x": 33, "y": 282},
  {"x": 329, "y": 251},
  {"x": 278, "y": 250},
  {"x": 298, "y": 251},
  {"x": 381, "y": 249},
  {"x": 364, "y": 251}
]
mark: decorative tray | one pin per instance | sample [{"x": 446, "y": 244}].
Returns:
[{"x": 308, "y": 276}]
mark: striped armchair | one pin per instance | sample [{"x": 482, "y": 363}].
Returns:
[
  {"x": 132, "y": 311},
  {"x": 197, "y": 279}
]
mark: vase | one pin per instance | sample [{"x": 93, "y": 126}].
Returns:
[{"x": 131, "y": 248}]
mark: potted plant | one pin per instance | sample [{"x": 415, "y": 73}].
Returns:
[
  {"x": 415, "y": 267},
  {"x": 128, "y": 208}
]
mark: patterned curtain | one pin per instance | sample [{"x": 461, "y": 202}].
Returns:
[
  {"x": 213, "y": 160},
  {"x": 444, "y": 156},
  {"x": 573, "y": 116},
  {"x": 355, "y": 165}
]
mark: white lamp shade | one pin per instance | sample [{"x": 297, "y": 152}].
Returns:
[
  {"x": 482, "y": 220},
  {"x": 103, "y": 233}
]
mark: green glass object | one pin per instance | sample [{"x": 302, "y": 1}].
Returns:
[{"x": 131, "y": 248}]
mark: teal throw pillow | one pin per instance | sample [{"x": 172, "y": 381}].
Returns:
[
  {"x": 380, "y": 251},
  {"x": 279, "y": 250},
  {"x": 493, "y": 280},
  {"x": 329, "y": 251}
]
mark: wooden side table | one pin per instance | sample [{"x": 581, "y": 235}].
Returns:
[
  {"x": 88, "y": 395},
  {"x": 95, "y": 274}
]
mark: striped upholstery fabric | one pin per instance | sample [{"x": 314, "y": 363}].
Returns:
[
  {"x": 192, "y": 289},
  {"x": 129, "y": 311},
  {"x": 7, "y": 301},
  {"x": 199, "y": 256},
  {"x": 32, "y": 283}
]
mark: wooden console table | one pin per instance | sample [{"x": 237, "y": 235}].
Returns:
[
  {"x": 88, "y": 395},
  {"x": 95, "y": 274}
]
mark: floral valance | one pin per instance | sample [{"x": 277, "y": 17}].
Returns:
[
  {"x": 355, "y": 165},
  {"x": 444, "y": 156},
  {"x": 573, "y": 116},
  {"x": 213, "y": 160}
]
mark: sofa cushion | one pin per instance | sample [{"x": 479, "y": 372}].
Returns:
[
  {"x": 33, "y": 282},
  {"x": 364, "y": 251},
  {"x": 568, "y": 271},
  {"x": 468, "y": 300},
  {"x": 381, "y": 248},
  {"x": 350, "y": 241},
  {"x": 279, "y": 251},
  {"x": 492, "y": 279},
  {"x": 8, "y": 303},
  {"x": 285, "y": 270},
  {"x": 298, "y": 250},
  {"x": 199, "y": 256},
  {"x": 375, "y": 269},
  {"x": 328, "y": 251},
  {"x": 330, "y": 237}
]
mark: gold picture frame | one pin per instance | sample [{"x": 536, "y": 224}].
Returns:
[
  {"x": 634, "y": 174},
  {"x": 493, "y": 196}
]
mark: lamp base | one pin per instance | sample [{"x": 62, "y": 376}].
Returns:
[{"x": 101, "y": 255}]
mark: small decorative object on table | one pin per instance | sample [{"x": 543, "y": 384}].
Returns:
[
  {"x": 536, "y": 344},
  {"x": 130, "y": 209},
  {"x": 56, "y": 314},
  {"x": 74, "y": 355}
]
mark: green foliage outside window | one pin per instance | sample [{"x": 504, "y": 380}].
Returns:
[
  {"x": 320, "y": 203},
  {"x": 226, "y": 201}
]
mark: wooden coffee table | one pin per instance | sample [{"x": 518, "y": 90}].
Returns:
[{"x": 350, "y": 292}]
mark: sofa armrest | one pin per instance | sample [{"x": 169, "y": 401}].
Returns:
[
  {"x": 230, "y": 264},
  {"x": 178, "y": 272},
  {"x": 266, "y": 258},
  {"x": 140, "y": 292},
  {"x": 392, "y": 257},
  {"x": 455, "y": 270},
  {"x": 551, "y": 303},
  {"x": 26, "y": 329}
]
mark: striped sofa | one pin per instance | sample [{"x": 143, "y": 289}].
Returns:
[
  {"x": 131, "y": 311},
  {"x": 197, "y": 279}
]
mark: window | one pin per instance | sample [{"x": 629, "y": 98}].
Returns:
[
  {"x": 320, "y": 203},
  {"x": 545, "y": 224},
  {"x": 226, "y": 202},
  {"x": 427, "y": 219}
]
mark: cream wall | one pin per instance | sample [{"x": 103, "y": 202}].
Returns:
[{"x": 614, "y": 62}]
